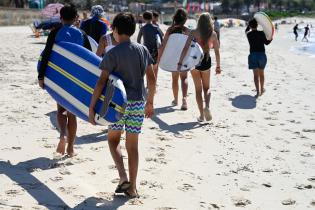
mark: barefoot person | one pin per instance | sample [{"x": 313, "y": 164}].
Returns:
[
  {"x": 295, "y": 31},
  {"x": 137, "y": 63},
  {"x": 205, "y": 36},
  {"x": 306, "y": 33},
  {"x": 257, "y": 58},
  {"x": 151, "y": 34},
  {"x": 69, "y": 33},
  {"x": 179, "y": 20}
]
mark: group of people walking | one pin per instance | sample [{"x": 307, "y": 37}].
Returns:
[{"x": 134, "y": 61}]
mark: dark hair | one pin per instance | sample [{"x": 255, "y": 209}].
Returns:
[
  {"x": 215, "y": 18},
  {"x": 155, "y": 14},
  {"x": 253, "y": 23},
  {"x": 180, "y": 17},
  {"x": 147, "y": 15},
  {"x": 69, "y": 12},
  {"x": 124, "y": 23}
]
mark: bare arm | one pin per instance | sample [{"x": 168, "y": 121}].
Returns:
[
  {"x": 101, "y": 46},
  {"x": 139, "y": 36},
  {"x": 216, "y": 47},
  {"x": 149, "y": 110},
  {"x": 96, "y": 94},
  {"x": 161, "y": 49},
  {"x": 184, "y": 51}
]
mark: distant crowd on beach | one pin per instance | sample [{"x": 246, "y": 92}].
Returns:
[{"x": 141, "y": 60}]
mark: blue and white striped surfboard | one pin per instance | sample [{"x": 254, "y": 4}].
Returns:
[{"x": 70, "y": 78}]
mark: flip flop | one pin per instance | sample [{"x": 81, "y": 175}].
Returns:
[
  {"x": 123, "y": 187},
  {"x": 132, "y": 196}
]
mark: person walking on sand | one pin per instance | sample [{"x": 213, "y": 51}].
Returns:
[
  {"x": 257, "y": 58},
  {"x": 295, "y": 31},
  {"x": 137, "y": 63},
  {"x": 179, "y": 21},
  {"x": 155, "y": 21},
  {"x": 216, "y": 28},
  {"x": 69, "y": 33},
  {"x": 94, "y": 26},
  {"x": 151, "y": 38},
  {"x": 106, "y": 43},
  {"x": 206, "y": 38},
  {"x": 306, "y": 33}
]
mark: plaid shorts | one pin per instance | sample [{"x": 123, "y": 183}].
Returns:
[{"x": 133, "y": 118}]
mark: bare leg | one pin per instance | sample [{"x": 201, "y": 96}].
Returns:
[
  {"x": 133, "y": 161},
  {"x": 184, "y": 85},
  {"x": 198, "y": 91},
  {"x": 205, "y": 77},
  {"x": 114, "y": 147},
  {"x": 175, "y": 76},
  {"x": 72, "y": 131},
  {"x": 256, "y": 81},
  {"x": 62, "y": 123},
  {"x": 261, "y": 81}
]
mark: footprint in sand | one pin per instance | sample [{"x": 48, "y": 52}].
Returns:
[
  {"x": 303, "y": 187},
  {"x": 288, "y": 202},
  {"x": 67, "y": 190},
  {"x": 56, "y": 179},
  {"x": 106, "y": 196},
  {"x": 165, "y": 208},
  {"x": 64, "y": 171},
  {"x": 14, "y": 193},
  {"x": 151, "y": 184},
  {"x": 241, "y": 202},
  {"x": 186, "y": 187}
]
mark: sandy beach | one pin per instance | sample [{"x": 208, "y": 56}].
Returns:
[{"x": 254, "y": 154}]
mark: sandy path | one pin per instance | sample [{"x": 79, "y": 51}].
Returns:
[{"x": 256, "y": 154}]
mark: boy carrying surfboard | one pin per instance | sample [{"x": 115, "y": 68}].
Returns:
[
  {"x": 69, "y": 33},
  {"x": 257, "y": 58},
  {"x": 131, "y": 61}
]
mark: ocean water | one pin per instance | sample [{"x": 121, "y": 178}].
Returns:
[{"x": 307, "y": 48}]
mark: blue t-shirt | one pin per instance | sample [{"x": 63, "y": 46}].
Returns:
[
  {"x": 94, "y": 27},
  {"x": 70, "y": 33}
]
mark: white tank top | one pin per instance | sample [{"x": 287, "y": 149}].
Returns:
[{"x": 109, "y": 43}]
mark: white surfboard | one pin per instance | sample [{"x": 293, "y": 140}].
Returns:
[
  {"x": 173, "y": 49},
  {"x": 93, "y": 44},
  {"x": 265, "y": 22}
]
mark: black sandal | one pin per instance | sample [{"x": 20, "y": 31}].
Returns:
[{"x": 123, "y": 187}]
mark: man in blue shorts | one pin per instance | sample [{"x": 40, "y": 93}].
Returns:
[
  {"x": 257, "y": 58},
  {"x": 68, "y": 33},
  {"x": 131, "y": 61}
]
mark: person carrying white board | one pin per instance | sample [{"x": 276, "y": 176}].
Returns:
[
  {"x": 179, "y": 21},
  {"x": 257, "y": 59},
  {"x": 206, "y": 38}
]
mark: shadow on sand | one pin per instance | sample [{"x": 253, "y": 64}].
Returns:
[
  {"x": 86, "y": 139},
  {"x": 244, "y": 102},
  {"x": 21, "y": 175},
  {"x": 176, "y": 128}
]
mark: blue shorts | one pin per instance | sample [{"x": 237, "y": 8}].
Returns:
[{"x": 257, "y": 60}]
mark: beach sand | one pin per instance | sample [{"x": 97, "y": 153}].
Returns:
[{"x": 253, "y": 154}]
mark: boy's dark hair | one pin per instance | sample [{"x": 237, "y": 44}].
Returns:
[
  {"x": 147, "y": 15},
  {"x": 215, "y": 18},
  {"x": 180, "y": 17},
  {"x": 124, "y": 23},
  {"x": 253, "y": 23},
  {"x": 155, "y": 14},
  {"x": 69, "y": 12}
]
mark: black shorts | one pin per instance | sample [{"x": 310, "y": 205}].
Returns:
[
  {"x": 205, "y": 63},
  {"x": 154, "y": 55}
]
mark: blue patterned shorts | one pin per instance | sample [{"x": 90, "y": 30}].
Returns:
[{"x": 132, "y": 119}]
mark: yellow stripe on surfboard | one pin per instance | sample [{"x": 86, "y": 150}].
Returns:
[{"x": 81, "y": 84}]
